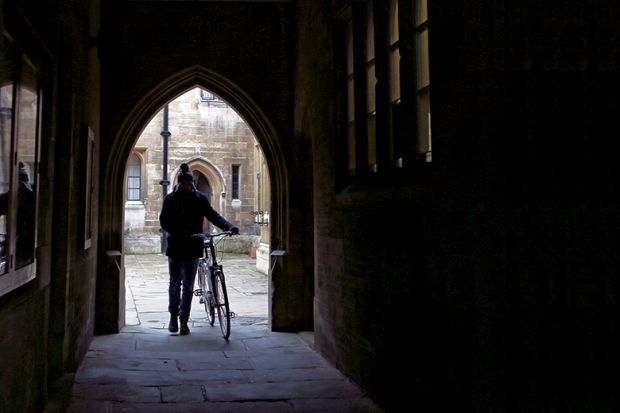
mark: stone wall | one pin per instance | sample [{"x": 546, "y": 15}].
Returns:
[
  {"x": 485, "y": 280},
  {"x": 49, "y": 321}
]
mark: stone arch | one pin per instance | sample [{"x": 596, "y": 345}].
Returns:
[{"x": 110, "y": 277}]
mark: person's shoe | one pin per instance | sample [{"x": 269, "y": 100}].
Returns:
[
  {"x": 184, "y": 328},
  {"x": 173, "y": 326}
]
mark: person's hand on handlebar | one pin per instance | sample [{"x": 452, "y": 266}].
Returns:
[{"x": 233, "y": 230}]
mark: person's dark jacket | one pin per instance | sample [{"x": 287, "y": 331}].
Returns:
[{"x": 182, "y": 215}]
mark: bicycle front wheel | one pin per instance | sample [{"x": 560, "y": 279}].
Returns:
[
  {"x": 221, "y": 296},
  {"x": 207, "y": 295}
]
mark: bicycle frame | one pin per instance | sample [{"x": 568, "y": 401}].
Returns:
[
  {"x": 216, "y": 296},
  {"x": 211, "y": 258},
  {"x": 209, "y": 248}
]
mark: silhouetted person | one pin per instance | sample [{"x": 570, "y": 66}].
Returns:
[{"x": 181, "y": 216}]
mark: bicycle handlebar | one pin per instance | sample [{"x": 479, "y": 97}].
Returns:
[{"x": 212, "y": 235}]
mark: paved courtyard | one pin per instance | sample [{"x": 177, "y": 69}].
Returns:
[{"x": 146, "y": 292}]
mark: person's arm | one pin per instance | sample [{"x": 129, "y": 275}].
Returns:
[
  {"x": 4, "y": 203},
  {"x": 216, "y": 219},
  {"x": 166, "y": 216}
]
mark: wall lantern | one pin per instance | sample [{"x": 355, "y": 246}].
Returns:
[{"x": 260, "y": 217}]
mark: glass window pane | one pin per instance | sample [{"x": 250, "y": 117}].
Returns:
[
  {"x": 370, "y": 35},
  {"x": 395, "y": 75},
  {"x": 372, "y": 142},
  {"x": 394, "y": 53},
  {"x": 421, "y": 12},
  {"x": 394, "y": 33},
  {"x": 424, "y": 123},
  {"x": 206, "y": 96},
  {"x": 371, "y": 79},
  {"x": 6, "y": 129},
  {"x": 133, "y": 170},
  {"x": 399, "y": 135},
  {"x": 349, "y": 41},
  {"x": 350, "y": 100},
  {"x": 133, "y": 194},
  {"x": 422, "y": 59},
  {"x": 133, "y": 182},
  {"x": 133, "y": 189},
  {"x": 351, "y": 148},
  {"x": 371, "y": 105},
  {"x": 235, "y": 181},
  {"x": 134, "y": 177},
  {"x": 27, "y": 133}
]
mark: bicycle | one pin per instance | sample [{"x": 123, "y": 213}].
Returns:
[{"x": 212, "y": 283}]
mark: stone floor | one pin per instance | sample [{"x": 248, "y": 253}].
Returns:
[
  {"x": 146, "y": 369},
  {"x": 147, "y": 283}
]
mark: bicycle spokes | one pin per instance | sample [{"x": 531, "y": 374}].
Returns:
[{"x": 222, "y": 304}]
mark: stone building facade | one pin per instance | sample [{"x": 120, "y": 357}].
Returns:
[{"x": 223, "y": 155}]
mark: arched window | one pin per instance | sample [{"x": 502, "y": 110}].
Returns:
[{"x": 134, "y": 178}]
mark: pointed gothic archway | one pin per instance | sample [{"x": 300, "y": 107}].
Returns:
[{"x": 110, "y": 277}]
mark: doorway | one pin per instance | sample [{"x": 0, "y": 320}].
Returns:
[{"x": 110, "y": 300}]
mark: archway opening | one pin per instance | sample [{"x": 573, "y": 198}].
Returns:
[
  {"x": 199, "y": 129},
  {"x": 111, "y": 276}
]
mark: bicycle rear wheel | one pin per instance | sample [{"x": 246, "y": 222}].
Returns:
[
  {"x": 207, "y": 295},
  {"x": 221, "y": 296}
]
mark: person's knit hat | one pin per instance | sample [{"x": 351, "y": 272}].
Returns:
[
  {"x": 23, "y": 173},
  {"x": 185, "y": 174}
]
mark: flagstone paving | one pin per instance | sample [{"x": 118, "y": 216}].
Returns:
[{"x": 146, "y": 369}]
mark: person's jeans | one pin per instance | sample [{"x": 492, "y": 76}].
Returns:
[{"x": 181, "y": 289}]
